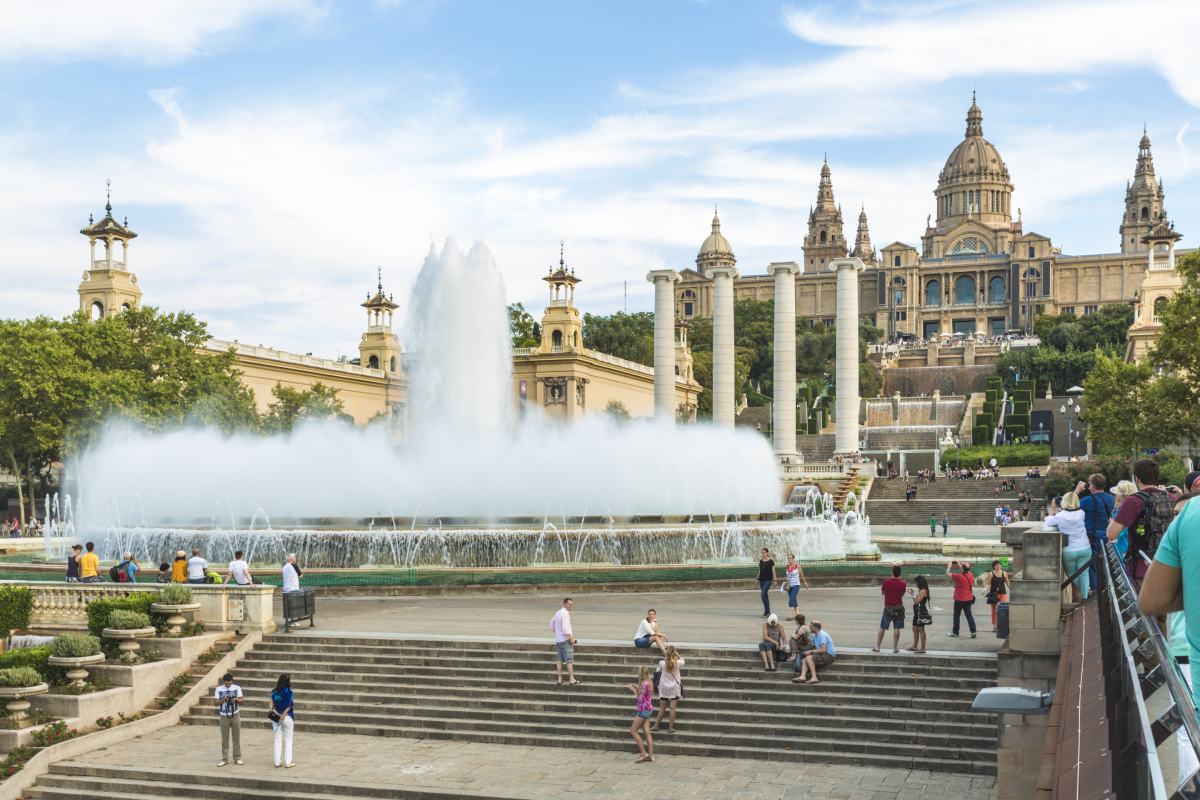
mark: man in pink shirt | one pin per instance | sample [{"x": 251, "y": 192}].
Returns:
[{"x": 564, "y": 640}]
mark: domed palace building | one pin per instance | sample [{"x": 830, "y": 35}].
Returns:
[{"x": 977, "y": 273}]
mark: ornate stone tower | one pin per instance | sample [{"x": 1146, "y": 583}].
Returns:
[
  {"x": 862, "y": 242},
  {"x": 562, "y": 325},
  {"x": 1143, "y": 202},
  {"x": 108, "y": 287},
  {"x": 379, "y": 348},
  {"x": 825, "y": 240}
]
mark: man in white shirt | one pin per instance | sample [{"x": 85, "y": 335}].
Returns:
[
  {"x": 239, "y": 570},
  {"x": 291, "y": 576},
  {"x": 564, "y": 640},
  {"x": 228, "y": 698},
  {"x": 196, "y": 567}
]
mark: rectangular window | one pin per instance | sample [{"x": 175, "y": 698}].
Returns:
[
  {"x": 901, "y": 316},
  {"x": 1089, "y": 310},
  {"x": 964, "y": 326},
  {"x": 931, "y": 329},
  {"x": 1068, "y": 311},
  {"x": 1046, "y": 278},
  {"x": 687, "y": 309},
  {"x": 827, "y": 322},
  {"x": 996, "y": 326}
]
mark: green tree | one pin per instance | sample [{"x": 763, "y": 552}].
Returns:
[
  {"x": 1060, "y": 369},
  {"x": 628, "y": 336},
  {"x": 1121, "y": 401},
  {"x": 294, "y": 405},
  {"x": 523, "y": 328},
  {"x": 1176, "y": 358},
  {"x": 617, "y": 411}
]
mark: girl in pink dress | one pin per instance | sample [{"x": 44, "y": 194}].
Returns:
[{"x": 644, "y": 690}]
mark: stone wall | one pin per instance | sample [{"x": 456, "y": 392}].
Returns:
[{"x": 916, "y": 381}]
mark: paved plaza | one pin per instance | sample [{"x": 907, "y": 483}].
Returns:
[
  {"x": 468, "y": 769},
  {"x": 726, "y": 617}
]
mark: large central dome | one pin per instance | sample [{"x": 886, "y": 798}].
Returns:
[{"x": 975, "y": 157}]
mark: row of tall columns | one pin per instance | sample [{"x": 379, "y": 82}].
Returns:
[
  {"x": 783, "y": 422},
  {"x": 722, "y": 368},
  {"x": 846, "y": 358},
  {"x": 664, "y": 342}
]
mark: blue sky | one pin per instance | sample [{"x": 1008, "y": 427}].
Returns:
[{"x": 272, "y": 153}]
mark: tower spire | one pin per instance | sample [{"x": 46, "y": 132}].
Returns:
[
  {"x": 974, "y": 118},
  {"x": 108, "y": 198}
]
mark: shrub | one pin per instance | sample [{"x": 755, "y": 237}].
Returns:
[
  {"x": 104, "y": 722},
  {"x": 15, "y": 760},
  {"x": 75, "y": 645},
  {"x": 175, "y": 594},
  {"x": 125, "y": 620},
  {"x": 1011, "y": 455},
  {"x": 19, "y": 677},
  {"x": 34, "y": 657},
  {"x": 55, "y": 732},
  {"x": 16, "y": 604},
  {"x": 176, "y": 689},
  {"x": 98, "y": 611}
]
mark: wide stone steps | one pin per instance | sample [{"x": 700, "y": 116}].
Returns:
[
  {"x": 944, "y": 489},
  {"x": 79, "y": 781}
]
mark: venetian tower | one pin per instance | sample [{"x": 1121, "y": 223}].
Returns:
[
  {"x": 863, "y": 249},
  {"x": 562, "y": 325},
  {"x": 825, "y": 240},
  {"x": 1143, "y": 202},
  {"x": 379, "y": 347},
  {"x": 108, "y": 287}
]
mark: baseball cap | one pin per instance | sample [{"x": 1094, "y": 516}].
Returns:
[{"x": 1189, "y": 483}]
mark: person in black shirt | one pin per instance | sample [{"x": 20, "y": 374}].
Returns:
[
  {"x": 766, "y": 579},
  {"x": 73, "y": 564}
]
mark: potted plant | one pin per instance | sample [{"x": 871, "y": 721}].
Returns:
[
  {"x": 173, "y": 600},
  {"x": 73, "y": 651},
  {"x": 127, "y": 627},
  {"x": 17, "y": 683}
]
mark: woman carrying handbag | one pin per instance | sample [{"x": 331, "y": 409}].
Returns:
[{"x": 282, "y": 714}]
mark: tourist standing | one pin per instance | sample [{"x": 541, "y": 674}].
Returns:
[
  {"x": 283, "y": 720},
  {"x": 239, "y": 570},
  {"x": 1097, "y": 505},
  {"x": 1122, "y": 490},
  {"x": 89, "y": 565},
  {"x": 770, "y": 647},
  {"x": 766, "y": 579},
  {"x": 564, "y": 641},
  {"x": 1068, "y": 519},
  {"x": 932, "y": 525},
  {"x": 793, "y": 575},
  {"x": 73, "y": 563},
  {"x": 1146, "y": 514},
  {"x": 964, "y": 594},
  {"x": 945, "y": 524},
  {"x": 997, "y": 589},
  {"x": 228, "y": 698},
  {"x": 197, "y": 566},
  {"x": 643, "y": 690},
  {"x": 291, "y": 574},
  {"x": 921, "y": 615},
  {"x": 893, "y": 590},
  {"x": 822, "y": 655},
  {"x": 670, "y": 687},
  {"x": 648, "y": 633}
]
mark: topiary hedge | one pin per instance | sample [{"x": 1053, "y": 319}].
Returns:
[
  {"x": 34, "y": 657},
  {"x": 1009, "y": 455},
  {"x": 16, "y": 605},
  {"x": 125, "y": 620},
  {"x": 175, "y": 594},
  {"x": 75, "y": 645},
  {"x": 19, "y": 677},
  {"x": 98, "y": 611}
]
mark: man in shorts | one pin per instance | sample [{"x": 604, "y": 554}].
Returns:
[
  {"x": 822, "y": 655},
  {"x": 893, "y": 610},
  {"x": 564, "y": 641}
]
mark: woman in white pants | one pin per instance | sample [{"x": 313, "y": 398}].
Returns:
[{"x": 283, "y": 719}]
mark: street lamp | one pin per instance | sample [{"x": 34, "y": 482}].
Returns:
[
  {"x": 1032, "y": 274},
  {"x": 1071, "y": 411}
]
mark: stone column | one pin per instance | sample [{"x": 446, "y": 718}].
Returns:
[
  {"x": 664, "y": 342},
  {"x": 846, "y": 322},
  {"x": 722, "y": 368},
  {"x": 784, "y": 413}
]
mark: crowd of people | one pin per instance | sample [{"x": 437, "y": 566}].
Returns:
[
  {"x": 83, "y": 566},
  {"x": 11, "y": 529}
]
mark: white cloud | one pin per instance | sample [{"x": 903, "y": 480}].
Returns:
[{"x": 134, "y": 30}]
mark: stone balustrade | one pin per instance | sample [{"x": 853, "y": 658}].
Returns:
[
  {"x": 63, "y": 606},
  {"x": 793, "y": 471}
]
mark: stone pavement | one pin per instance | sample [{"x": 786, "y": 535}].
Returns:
[
  {"x": 527, "y": 772},
  {"x": 850, "y": 615}
]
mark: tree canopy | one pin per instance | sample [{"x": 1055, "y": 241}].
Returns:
[
  {"x": 1069, "y": 348},
  {"x": 292, "y": 406},
  {"x": 523, "y": 327},
  {"x": 628, "y": 336}
]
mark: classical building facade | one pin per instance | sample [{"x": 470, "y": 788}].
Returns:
[{"x": 976, "y": 270}]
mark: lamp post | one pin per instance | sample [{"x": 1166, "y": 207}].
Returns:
[
  {"x": 1032, "y": 275},
  {"x": 1070, "y": 410},
  {"x": 894, "y": 284}
]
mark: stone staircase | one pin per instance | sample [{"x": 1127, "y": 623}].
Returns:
[
  {"x": 968, "y": 502},
  {"x": 890, "y": 711}
]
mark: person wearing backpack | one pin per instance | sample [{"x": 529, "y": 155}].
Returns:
[{"x": 1147, "y": 513}]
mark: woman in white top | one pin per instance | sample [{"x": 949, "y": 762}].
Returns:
[
  {"x": 1068, "y": 518},
  {"x": 670, "y": 687},
  {"x": 648, "y": 634}
]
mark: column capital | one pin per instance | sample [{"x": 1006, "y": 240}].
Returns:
[
  {"x": 723, "y": 271},
  {"x": 783, "y": 266},
  {"x": 655, "y": 275},
  {"x": 855, "y": 264}
]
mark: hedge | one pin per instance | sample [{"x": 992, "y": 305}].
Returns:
[
  {"x": 99, "y": 610},
  {"x": 981, "y": 435},
  {"x": 35, "y": 657},
  {"x": 16, "y": 605},
  {"x": 1011, "y": 455}
]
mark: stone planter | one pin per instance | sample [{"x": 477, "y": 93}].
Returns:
[
  {"x": 76, "y": 673},
  {"x": 175, "y": 618},
  {"x": 128, "y": 638},
  {"x": 15, "y": 696}
]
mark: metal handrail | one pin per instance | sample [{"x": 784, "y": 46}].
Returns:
[{"x": 1137, "y": 664}]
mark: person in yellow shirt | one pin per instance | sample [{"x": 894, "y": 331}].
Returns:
[
  {"x": 89, "y": 565},
  {"x": 179, "y": 568}
]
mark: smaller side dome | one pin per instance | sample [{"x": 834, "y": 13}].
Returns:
[{"x": 716, "y": 245}]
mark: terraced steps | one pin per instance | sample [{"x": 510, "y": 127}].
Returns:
[{"x": 905, "y": 711}]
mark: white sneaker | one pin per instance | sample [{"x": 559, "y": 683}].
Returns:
[
  {"x": 222, "y": 763},
  {"x": 289, "y": 766},
  {"x": 238, "y": 761}
]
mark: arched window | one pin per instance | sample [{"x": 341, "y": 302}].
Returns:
[
  {"x": 125, "y": 306},
  {"x": 996, "y": 293},
  {"x": 1145, "y": 213},
  {"x": 896, "y": 261},
  {"x": 575, "y": 339},
  {"x": 969, "y": 244},
  {"x": 392, "y": 364},
  {"x": 556, "y": 338},
  {"x": 964, "y": 290},
  {"x": 97, "y": 311},
  {"x": 933, "y": 293},
  {"x": 1031, "y": 252},
  {"x": 1159, "y": 304},
  {"x": 373, "y": 362},
  {"x": 822, "y": 237}
]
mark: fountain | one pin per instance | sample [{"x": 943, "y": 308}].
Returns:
[{"x": 473, "y": 485}]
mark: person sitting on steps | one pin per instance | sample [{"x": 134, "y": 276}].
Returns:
[
  {"x": 648, "y": 633},
  {"x": 822, "y": 655}
]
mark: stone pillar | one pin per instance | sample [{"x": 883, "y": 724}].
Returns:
[
  {"x": 846, "y": 360},
  {"x": 784, "y": 406},
  {"x": 664, "y": 342},
  {"x": 722, "y": 368}
]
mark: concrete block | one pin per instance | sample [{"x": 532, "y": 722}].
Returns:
[
  {"x": 1037, "y": 640},
  {"x": 185, "y": 648},
  {"x": 1020, "y": 615},
  {"x": 89, "y": 707},
  {"x": 146, "y": 680},
  {"x": 1043, "y": 590},
  {"x": 1047, "y": 616},
  {"x": 1042, "y": 568}
]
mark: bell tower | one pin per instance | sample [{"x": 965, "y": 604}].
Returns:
[
  {"x": 108, "y": 287},
  {"x": 1143, "y": 202},
  {"x": 379, "y": 348},
  {"x": 562, "y": 325}
]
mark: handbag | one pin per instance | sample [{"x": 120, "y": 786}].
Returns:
[
  {"x": 273, "y": 715},
  {"x": 991, "y": 598}
]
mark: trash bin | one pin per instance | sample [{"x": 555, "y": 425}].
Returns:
[
  {"x": 1002, "y": 620},
  {"x": 299, "y": 605}
]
